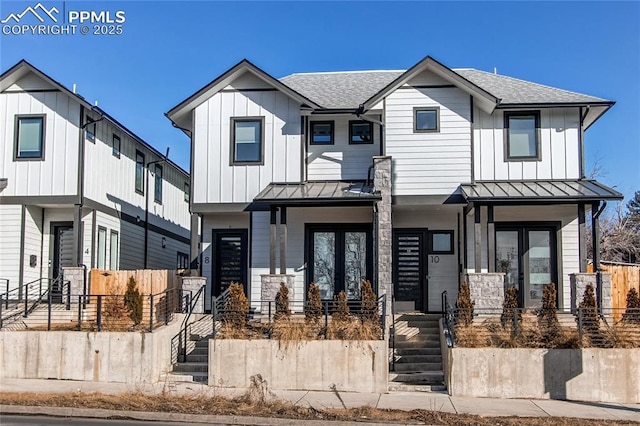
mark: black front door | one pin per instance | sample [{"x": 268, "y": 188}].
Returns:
[
  {"x": 62, "y": 256},
  {"x": 409, "y": 269},
  {"x": 527, "y": 256},
  {"x": 230, "y": 259},
  {"x": 339, "y": 258}
]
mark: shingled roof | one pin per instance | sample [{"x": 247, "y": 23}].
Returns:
[{"x": 348, "y": 90}]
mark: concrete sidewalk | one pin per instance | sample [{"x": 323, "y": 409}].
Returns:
[{"x": 487, "y": 407}]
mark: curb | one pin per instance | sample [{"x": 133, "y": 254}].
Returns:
[{"x": 97, "y": 413}]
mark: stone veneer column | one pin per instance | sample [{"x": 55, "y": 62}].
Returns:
[
  {"x": 194, "y": 284},
  {"x": 270, "y": 285},
  {"x": 487, "y": 291},
  {"x": 579, "y": 282},
  {"x": 75, "y": 276},
  {"x": 383, "y": 228}
]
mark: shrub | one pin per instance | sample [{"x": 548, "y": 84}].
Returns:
[
  {"x": 369, "y": 304},
  {"x": 548, "y": 323},
  {"x": 590, "y": 318},
  {"x": 341, "y": 307},
  {"x": 510, "y": 313},
  {"x": 632, "y": 312},
  {"x": 313, "y": 309},
  {"x": 465, "y": 305},
  {"x": 282, "y": 303},
  {"x": 133, "y": 301},
  {"x": 236, "y": 308},
  {"x": 114, "y": 313}
]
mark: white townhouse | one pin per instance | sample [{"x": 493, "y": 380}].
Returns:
[
  {"x": 415, "y": 180},
  {"x": 79, "y": 188}
]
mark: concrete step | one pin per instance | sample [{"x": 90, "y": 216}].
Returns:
[
  {"x": 197, "y": 377},
  {"x": 417, "y": 324},
  {"x": 418, "y": 337},
  {"x": 197, "y": 358},
  {"x": 199, "y": 351},
  {"x": 418, "y": 351},
  {"x": 203, "y": 343},
  {"x": 416, "y": 387},
  {"x": 191, "y": 367},
  {"x": 412, "y": 344},
  {"x": 422, "y": 377},
  {"x": 405, "y": 367},
  {"x": 417, "y": 359}
]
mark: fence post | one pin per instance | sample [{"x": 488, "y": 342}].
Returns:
[
  {"x": 7, "y": 294},
  {"x": 49, "y": 300},
  {"x": 151, "y": 313},
  {"x": 166, "y": 308},
  {"x": 1, "y": 309},
  {"x": 384, "y": 316},
  {"x": 80, "y": 312},
  {"x": 26, "y": 299},
  {"x": 269, "y": 311},
  {"x": 99, "y": 313},
  {"x": 68, "y": 295}
]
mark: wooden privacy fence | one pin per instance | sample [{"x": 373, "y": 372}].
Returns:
[
  {"x": 624, "y": 277},
  {"x": 149, "y": 281}
]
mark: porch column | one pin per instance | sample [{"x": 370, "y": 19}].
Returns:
[
  {"x": 582, "y": 238},
  {"x": 272, "y": 241},
  {"x": 383, "y": 225},
  {"x": 194, "y": 265},
  {"x": 77, "y": 234},
  {"x": 477, "y": 252},
  {"x": 491, "y": 239},
  {"x": 283, "y": 240},
  {"x": 595, "y": 237}
]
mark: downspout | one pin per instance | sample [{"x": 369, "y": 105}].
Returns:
[
  {"x": 583, "y": 116},
  {"x": 77, "y": 210}
]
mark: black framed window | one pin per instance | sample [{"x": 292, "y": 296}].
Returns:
[
  {"x": 116, "y": 146},
  {"x": 101, "y": 260},
  {"x": 29, "y": 137},
  {"x": 90, "y": 129},
  {"x": 186, "y": 192},
  {"x": 157, "y": 184},
  {"x": 522, "y": 135},
  {"x": 426, "y": 120},
  {"x": 247, "y": 137},
  {"x": 441, "y": 242},
  {"x": 139, "y": 172},
  {"x": 322, "y": 133},
  {"x": 183, "y": 261},
  {"x": 360, "y": 132},
  {"x": 113, "y": 250}
]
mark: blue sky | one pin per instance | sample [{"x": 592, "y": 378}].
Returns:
[{"x": 169, "y": 49}]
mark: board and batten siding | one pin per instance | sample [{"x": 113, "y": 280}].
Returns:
[
  {"x": 110, "y": 180},
  {"x": 57, "y": 174},
  {"x": 11, "y": 220},
  {"x": 559, "y": 145},
  {"x": 342, "y": 160},
  {"x": 428, "y": 163},
  {"x": 33, "y": 239},
  {"x": 214, "y": 179}
]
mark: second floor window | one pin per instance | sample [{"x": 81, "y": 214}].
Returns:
[
  {"x": 157, "y": 184},
  {"x": 426, "y": 120},
  {"x": 360, "y": 132},
  {"x": 139, "y": 172},
  {"x": 247, "y": 136},
  {"x": 322, "y": 133},
  {"x": 90, "y": 129},
  {"x": 116, "y": 146},
  {"x": 183, "y": 260},
  {"x": 186, "y": 192},
  {"x": 30, "y": 137},
  {"x": 522, "y": 133}
]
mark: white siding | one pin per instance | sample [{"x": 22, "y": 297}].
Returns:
[
  {"x": 57, "y": 174},
  {"x": 296, "y": 220},
  {"x": 52, "y": 215},
  {"x": 428, "y": 163},
  {"x": 11, "y": 219},
  {"x": 110, "y": 180},
  {"x": 559, "y": 145},
  {"x": 341, "y": 161},
  {"x": 443, "y": 274},
  {"x": 32, "y": 243},
  {"x": 214, "y": 179},
  {"x": 87, "y": 225}
]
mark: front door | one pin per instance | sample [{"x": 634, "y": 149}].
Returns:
[
  {"x": 230, "y": 259},
  {"x": 409, "y": 268},
  {"x": 62, "y": 256},
  {"x": 527, "y": 256},
  {"x": 340, "y": 257}
]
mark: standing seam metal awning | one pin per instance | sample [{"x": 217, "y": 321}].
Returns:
[
  {"x": 317, "y": 193},
  {"x": 539, "y": 191}
]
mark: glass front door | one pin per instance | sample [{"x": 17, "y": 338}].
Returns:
[
  {"x": 339, "y": 258},
  {"x": 527, "y": 256}
]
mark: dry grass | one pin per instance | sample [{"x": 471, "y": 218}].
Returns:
[
  {"x": 622, "y": 335},
  {"x": 289, "y": 329},
  {"x": 258, "y": 403},
  {"x": 353, "y": 328}
]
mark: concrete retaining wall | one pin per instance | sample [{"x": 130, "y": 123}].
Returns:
[
  {"x": 602, "y": 375},
  {"x": 352, "y": 366},
  {"x": 90, "y": 356}
]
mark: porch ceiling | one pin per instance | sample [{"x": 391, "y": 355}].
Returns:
[
  {"x": 303, "y": 193},
  {"x": 543, "y": 191}
]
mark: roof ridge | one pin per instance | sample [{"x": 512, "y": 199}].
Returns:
[
  {"x": 340, "y": 72},
  {"x": 533, "y": 82}
]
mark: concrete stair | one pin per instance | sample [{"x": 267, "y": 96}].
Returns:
[
  {"x": 418, "y": 359},
  {"x": 196, "y": 366}
]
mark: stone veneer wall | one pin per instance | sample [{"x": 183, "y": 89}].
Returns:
[
  {"x": 383, "y": 228},
  {"x": 487, "y": 290},
  {"x": 75, "y": 276},
  {"x": 270, "y": 284},
  {"x": 193, "y": 284},
  {"x": 579, "y": 282}
]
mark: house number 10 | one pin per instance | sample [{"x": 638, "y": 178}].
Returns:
[{"x": 435, "y": 259}]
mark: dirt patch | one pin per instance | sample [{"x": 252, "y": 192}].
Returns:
[{"x": 255, "y": 404}]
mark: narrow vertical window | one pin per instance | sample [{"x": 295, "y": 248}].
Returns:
[
  {"x": 113, "y": 251},
  {"x": 30, "y": 137},
  {"x": 187, "y": 192},
  {"x": 139, "y": 172},
  {"x": 102, "y": 248},
  {"x": 116, "y": 146},
  {"x": 157, "y": 184},
  {"x": 90, "y": 129}
]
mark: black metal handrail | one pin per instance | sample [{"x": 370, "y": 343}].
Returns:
[
  {"x": 392, "y": 331},
  {"x": 179, "y": 341}
]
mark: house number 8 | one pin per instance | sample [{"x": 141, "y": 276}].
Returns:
[
  {"x": 435, "y": 259},
  {"x": 206, "y": 259}
]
